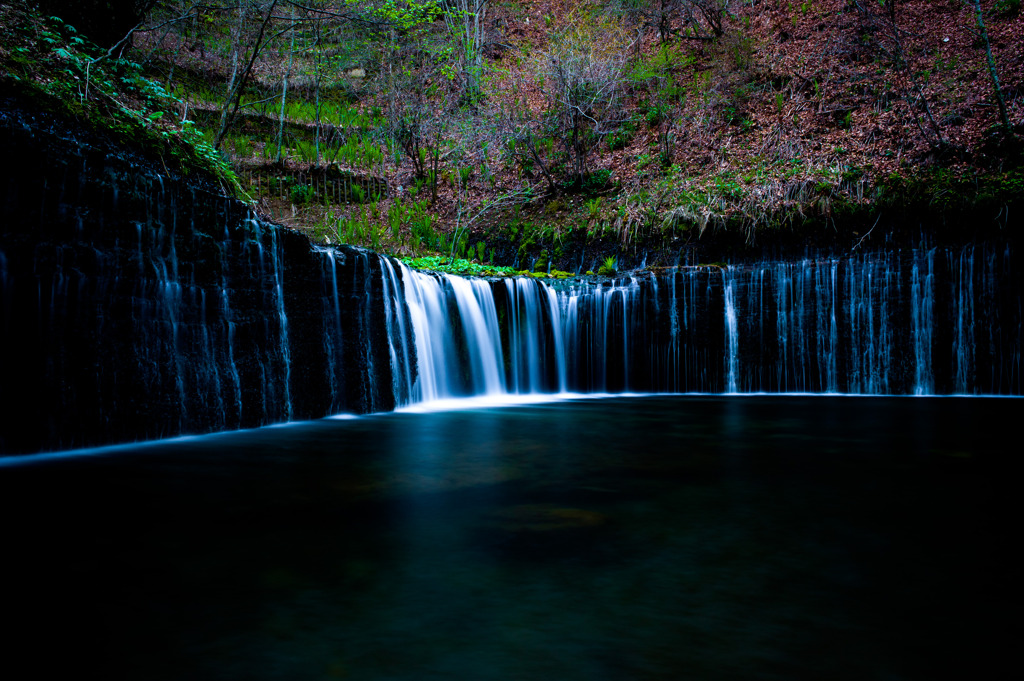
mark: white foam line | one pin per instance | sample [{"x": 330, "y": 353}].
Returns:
[
  {"x": 106, "y": 450},
  {"x": 44, "y": 457},
  {"x": 454, "y": 404},
  {"x": 485, "y": 402}
]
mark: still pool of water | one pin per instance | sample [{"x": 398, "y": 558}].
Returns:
[{"x": 630, "y": 538}]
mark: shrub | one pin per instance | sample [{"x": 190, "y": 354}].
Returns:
[
  {"x": 620, "y": 138},
  {"x": 301, "y": 194},
  {"x": 582, "y": 78},
  {"x": 597, "y": 181}
]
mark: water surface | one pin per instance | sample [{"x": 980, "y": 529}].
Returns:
[{"x": 641, "y": 538}]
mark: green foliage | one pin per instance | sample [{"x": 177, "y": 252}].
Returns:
[
  {"x": 68, "y": 73},
  {"x": 301, "y": 195},
  {"x": 375, "y": 234},
  {"x": 741, "y": 49},
  {"x": 458, "y": 266},
  {"x": 655, "y": 75},
  {"x": 240, "y": 145},
  {"x": 306, "y": 151},
  {"x": 554, "y": 206},
  {"x": 655, "y": 112},
  {"x": 621, "y": 137},
  {"x": 349, "y": 230},
  {"x": 358, "y": 151},
  {"x": 422, "y": 228},
  {"x": 949, "y": 191},
  {"x": 597, "y": 181},
  {"x": 397, "y": 215},
  {"x": 608, "y": 267},
  {"x": 405, "y": 16},
  {"x": 728, "y": 186},
  {"x": 1006, "y": 8}
]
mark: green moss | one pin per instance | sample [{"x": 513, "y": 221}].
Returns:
[
  {"x": 554, "y": 206},
  {"x": 542, "y": 262}
]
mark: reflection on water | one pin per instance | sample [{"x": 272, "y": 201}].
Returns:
[{"x": 643, "y": 538}]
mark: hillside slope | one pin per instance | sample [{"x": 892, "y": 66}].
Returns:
[{"x": 573, "y": 134}]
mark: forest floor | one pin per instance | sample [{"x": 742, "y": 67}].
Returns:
[{"x": 797, "y": 118}]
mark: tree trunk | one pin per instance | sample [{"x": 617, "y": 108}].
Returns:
[
  {"x": 284, "y": 93},
  {"x": 237, "y": 83},
  {"x": 996, "y": 88}
]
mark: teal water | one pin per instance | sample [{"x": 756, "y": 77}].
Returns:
[{"x": 632, "y": 538}]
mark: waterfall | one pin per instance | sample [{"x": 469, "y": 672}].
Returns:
[
  {"x": 461, "y": 347},
  {"x": 332, "y": 336},
  {"x": 732, "y": 334},
  {"x": 282, "y": 317},
  {"x": 434, "y": 345},
  {"x": 964, "y": 342},
  {"x": 865, "y": 324},
  {"x": 400, "y": 349},
  {"x": 479, "y": 317},
  {"x": 182, "y": 312},
  {"x": 922, "y": 300}
]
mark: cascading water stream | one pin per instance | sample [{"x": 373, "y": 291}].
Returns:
[
  {"x": 732, "y": 335},
  {"x": 922, "y": 299},
  {"x": 434, "y": 347},
  {"x": 400, "y": 349},
  {"x": 965, "y": 320},
  {"x": 475, "y": 304},
  {"x": 156, "y": 325},
  {"x": 866, "y": 324}
]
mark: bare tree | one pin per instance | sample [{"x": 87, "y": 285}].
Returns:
[
  {"x": 993, "y": 75},
  {"x": 470, "y": 210},
  {"x": 246, "y": 47},
  {"x": 526, "y": 137},
  {"x": 465, "y": 21},
  {"x": 421, "y": 109},
  {"x": 688, "y": 19},
  {"x": 284, "y": 94},
  {"x": 704, "y": 19},
  {"x": 582, "y": 77}
]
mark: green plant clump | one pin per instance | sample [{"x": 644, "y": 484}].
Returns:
[
  {"x": 608, "y": 267},
  {"x": 301, "y": 194},
  {"x": 597, "y": 181},
  {"x": 460, "y": 266}
]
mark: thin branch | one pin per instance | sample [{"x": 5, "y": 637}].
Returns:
[{"x": 861, "y": 240}]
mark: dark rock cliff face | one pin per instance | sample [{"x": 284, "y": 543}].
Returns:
[{"x": 138, "y": 305}]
